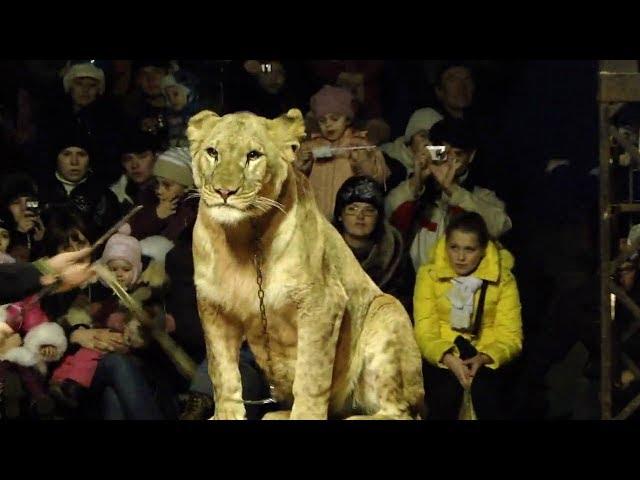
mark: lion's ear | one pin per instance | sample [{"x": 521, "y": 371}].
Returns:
[
  {"x": 289, "y": 129},
  {"x": 198, "y": 124}
]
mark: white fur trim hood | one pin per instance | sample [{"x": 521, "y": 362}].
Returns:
[
  {"x": 119, "y": 189},
  {"x": 28, "y": 355},
  {"x": 156, "y": 247}
]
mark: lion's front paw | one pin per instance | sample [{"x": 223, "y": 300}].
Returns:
[
  {"x": 229, "y": 411},
  {"x": 279, "y": 415},
  {"x": 316, "y": 412}
]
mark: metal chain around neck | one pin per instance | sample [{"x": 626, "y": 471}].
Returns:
[{"x": 257, "y": 261}]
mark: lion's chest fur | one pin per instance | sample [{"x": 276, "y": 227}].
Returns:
[{"x": 226, "y": 277}]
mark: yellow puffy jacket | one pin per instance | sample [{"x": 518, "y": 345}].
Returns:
[{"x": 500, "y": 335}]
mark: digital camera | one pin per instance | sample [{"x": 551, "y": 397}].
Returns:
[
  {"x": 33, "y": 206},
  {"x": 438, "y": 153}
]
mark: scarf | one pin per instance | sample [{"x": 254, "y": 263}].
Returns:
[{"x": 461, "y": 298}]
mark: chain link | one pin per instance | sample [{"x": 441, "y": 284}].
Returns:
[{"x": 257, "y": 261}]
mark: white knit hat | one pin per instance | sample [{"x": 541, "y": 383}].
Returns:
[
  {"x": 175, "y": 164},
  {"x": 170, "y": 80},
  {"x": 83, "y": 70},
  {"x": 422, "y": 119}
]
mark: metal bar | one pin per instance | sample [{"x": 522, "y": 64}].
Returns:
[
  {"x": 624, "y": 298},
  {"x": 619, "y": 87},
  {"x": 605, "y": 254},
  {"x": 626, "y": 207},
  {"x": 629, "y": 409}
]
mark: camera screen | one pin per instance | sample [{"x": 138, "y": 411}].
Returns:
[{"x": 438, "y": 153}]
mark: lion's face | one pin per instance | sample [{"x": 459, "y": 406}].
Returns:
[{"x": 240, "y": 161}]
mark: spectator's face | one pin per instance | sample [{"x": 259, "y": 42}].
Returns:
[
  {"x": 139, "y": 166},
  {"x": 463, "y": 157},
  {"x": 168, "y": 190},
  {"x": 272, "y": 77},
  {"x": 359, "y": 219},
  {"x": 176, "y": 96},
  {"x": 464, "y": 252},
  {"x": 5, "y": 238},
  {"x": 332, "y": 126},
  {"x": 149, "y": 80},
  {"x": 73, "y": 164},
  {"x": 123, "y": 272},
  {"x": 627, "y": 276},
  {"x": 76, "y": 242},
  {"x": 18, "y": 208},
  {"x": 84, "y": 90},
  {"x": 456, "y": 88}
]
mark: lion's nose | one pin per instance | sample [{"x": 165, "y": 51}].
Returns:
[{"x": 225, "y": 193}]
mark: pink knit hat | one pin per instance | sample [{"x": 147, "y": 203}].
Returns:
[
  {"x": 334, "y": 100},
  {"x": 122, "y": 246}
]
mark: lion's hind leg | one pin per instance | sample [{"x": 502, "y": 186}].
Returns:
[{"x": 390, "y": 384}]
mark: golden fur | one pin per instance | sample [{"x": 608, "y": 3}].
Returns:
[{"x": 339, "y": 346}]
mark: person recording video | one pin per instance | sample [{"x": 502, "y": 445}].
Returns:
[
  {"x": 20, "y": 208},
  {"x": 442, "y": 185}
]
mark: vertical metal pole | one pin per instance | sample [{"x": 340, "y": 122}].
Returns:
[{"x": 605, "y": 255}]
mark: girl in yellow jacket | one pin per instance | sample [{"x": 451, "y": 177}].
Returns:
[{"x": 466, "y": 304}]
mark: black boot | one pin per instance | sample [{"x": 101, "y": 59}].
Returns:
[
  {"x": 12, "y": 393},
  {"x": 199, "y": 407},
  {"x": 68, "y": 393},
  {"x": 43, "y": 408}
]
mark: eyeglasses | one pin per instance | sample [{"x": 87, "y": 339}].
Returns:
[{"x": 366, "y": 211}]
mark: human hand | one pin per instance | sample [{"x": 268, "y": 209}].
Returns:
[
  {"x": 133, "y": 334},
  {"x": 99, "y": 339},
  {"x": 49, "y": 353},
  {"x": 116, "y": 321},
  {"x": 166, "y": 208},
  {"x": 169, "y": 323},
  {"x": 474, "y": 363},
  {"x": 10, "y": 342},
  {"x": 304, "y": 159},
  {"x": 458, "y": 368},
  {"x": 38, "y": 229},
  {"x": 73, "y": 269},
  {"x": 444, "y": 174}
]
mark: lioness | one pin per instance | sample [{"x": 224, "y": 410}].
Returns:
[{"x": 335, "y": 345}]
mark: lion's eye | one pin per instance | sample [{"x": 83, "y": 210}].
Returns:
[
  {"x": 212, "y": 152},
  {"x": 253, "y": 154}
]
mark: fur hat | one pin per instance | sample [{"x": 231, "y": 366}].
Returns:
[
  {"x": 359, "y": 189},
  {"x": 334, "y": 100},
  {"x": 175, "y": 164},
  {"x": 122, "y": 246},
  {"x": 80, "y": 70},
  {"x": 71, "y": 137},
  {"x": 422, "y": 119},
  {"x": 182, "y": 79}
]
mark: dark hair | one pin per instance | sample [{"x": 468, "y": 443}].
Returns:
[
  {"x": 470, "y": 222},
  {"x": 443, "y": 67},
  {"x": 62, "y": 226},
  {"x": 456, "y": 132},
  {"x": 360, "y": 189},
  {"x": 136, "y": 141},
  {"x": 16, "y": 185}
]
